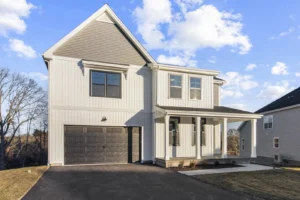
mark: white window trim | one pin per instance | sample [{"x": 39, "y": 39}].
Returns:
[
  {"x": 169, "y": 85},
  {"x": 264, "y": 122},
  {"x": 243, "y": 144},
  {"x": 201, "y": 91},
  {"x": 274, "y": 138}
]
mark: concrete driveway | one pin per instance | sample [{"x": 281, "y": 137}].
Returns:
[{"x": 122, "y": 182}]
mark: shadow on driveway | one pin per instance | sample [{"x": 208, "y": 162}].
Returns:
[{"x": 122, "y": 182}]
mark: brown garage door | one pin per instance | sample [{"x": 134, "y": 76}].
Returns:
[{"x": 91, "y": 145}]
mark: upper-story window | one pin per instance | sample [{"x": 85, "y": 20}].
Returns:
[
  {"x": 268, "y": 121},
  {"x": 105, "y": 84},
  {"x": 175, "y": 86},
  {"x": 195, "y": 88}
]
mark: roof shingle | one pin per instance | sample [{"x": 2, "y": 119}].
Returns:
[{"x": 290, "y": 99}]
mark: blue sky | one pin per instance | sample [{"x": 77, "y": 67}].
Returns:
[{"x": 225, "y": 35}]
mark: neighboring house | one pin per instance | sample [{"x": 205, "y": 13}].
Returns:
[
  {"x": 110, "y": 102},
  {"x": 278, "y": 132}
]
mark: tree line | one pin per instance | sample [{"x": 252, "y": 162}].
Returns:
[{"x": 23, "y": 121}]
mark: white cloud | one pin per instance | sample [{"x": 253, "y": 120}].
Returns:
[
  {"x": 237, "y": 106},
  {"x": 212, "y": 59},
  {"x": 21, "y": 48},
  {"x": 35, "y": 75},
  {"x": 289, "y": 31},
  {"x": 250, "y": 67},
  {"x": 12, "y": 14},
  {"x": 236, "y": 80},
  {"x": 186, "y": 5},
  {"x": 297, "y": 74},
  {"x": 282, "y": 34},
  {"x": 221, "y": 29},
  {"x": 279, "y": 68},
  {"x": 274, "y": 91},
  {"x": 149, "y": 18},
  {"x": 192, "y": 28},
  {"x": 230, "y": 93},
  {"x": 177, "y": 60}
]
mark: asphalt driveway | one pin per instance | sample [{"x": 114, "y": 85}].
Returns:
[{"x": 122, "y": 182}]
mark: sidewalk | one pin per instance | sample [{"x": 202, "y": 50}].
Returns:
[{"x": 245, "y": 168}]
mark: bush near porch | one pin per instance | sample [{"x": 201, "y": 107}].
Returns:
[{"x": 270, "y": 184}]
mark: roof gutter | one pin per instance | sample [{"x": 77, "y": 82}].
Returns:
[{"x": 184, "y": 69}]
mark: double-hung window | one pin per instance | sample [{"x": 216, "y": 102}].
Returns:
[
  {"x": 175, "y": 86},
  {"x": 243, "y": 144},
  {"x": 276, "y": 142},
  {"x": 105, "y": 84},
  {"x": 268, "y": 121},
  {"x": 195, "y": 88}
]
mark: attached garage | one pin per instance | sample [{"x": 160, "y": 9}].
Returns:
[{"x": 92, "y": 145}]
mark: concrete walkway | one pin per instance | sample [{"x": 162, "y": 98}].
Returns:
[{"x": 245, "y": 168}]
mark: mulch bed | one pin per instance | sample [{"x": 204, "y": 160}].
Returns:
[{"x": 202, "y": 167}]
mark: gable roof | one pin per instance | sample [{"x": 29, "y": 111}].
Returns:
[
  {"x": 290, "y": 99},
  {"x": 99, "y": 14}
]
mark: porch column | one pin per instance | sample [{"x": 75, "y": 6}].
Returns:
[
  {"x": 224, "y": 136},
  {"x": 198, "y": 138},
  {"x": 253, "y": 138},
  {"x": 167, "y": 154}
]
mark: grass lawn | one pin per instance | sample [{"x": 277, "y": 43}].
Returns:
[
  {"x": 15, "y": 183},
  {"x": 270, "y": 184}
]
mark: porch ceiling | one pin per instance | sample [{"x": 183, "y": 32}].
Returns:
[{"x": 216, "y": 112}]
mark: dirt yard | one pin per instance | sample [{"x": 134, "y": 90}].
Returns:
[
  {"x": 15, "y": 183},
  {"x": 272, "y": 184}
]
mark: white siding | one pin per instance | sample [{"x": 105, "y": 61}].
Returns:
[
  {"x": 71, "y": 104},
  {"x": 208, "y": 149},
  {"x": 185, "y": 149},
  {"x": 217, "y": 138},
  {"x": 163, "y": 91}
]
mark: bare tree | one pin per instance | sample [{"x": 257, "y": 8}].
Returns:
[{"x": 22, "y": 98}]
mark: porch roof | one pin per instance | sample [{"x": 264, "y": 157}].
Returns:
[{"x": 217, "y": 111}]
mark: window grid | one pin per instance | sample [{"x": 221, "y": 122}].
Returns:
[
  {"x": 276, "y": 142},
  {"x": 105, "y": 79},
  {"x": 195, "y": 88}
]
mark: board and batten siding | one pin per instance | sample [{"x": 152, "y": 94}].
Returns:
[
  {"x": 216, "y": 94},
  {"x": 70, "y": 103},
  {"x": 104, "y": 42},
  {"x": 163, "y": 91},
  {"x": 185, "y": 148},
  {"x": 286, "y": 126}
]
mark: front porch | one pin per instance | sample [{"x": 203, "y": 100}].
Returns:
[
  {"x": 199, "y": 135},
  {"x": 174, "y": 162}
]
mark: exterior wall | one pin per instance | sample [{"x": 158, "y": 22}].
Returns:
[
  {"x": 101, "y": 41},
  {"x": 185, "y": 149},
  {"x": 163, "y": 91},
  {"x": 216, "y": 94},
  {"x": 70, "y": 103},
  {"x": 285, "y": 126},
  {"x": 245, "y": 133},
  {"x": 217, "y": 138}
]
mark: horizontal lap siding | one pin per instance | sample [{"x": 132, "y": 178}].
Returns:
[
  {"x": 163, "y": 91},
  {"x": 286, "y": 126}
]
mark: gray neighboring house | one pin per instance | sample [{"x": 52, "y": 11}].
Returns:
[{"x": 278, "y": 132}]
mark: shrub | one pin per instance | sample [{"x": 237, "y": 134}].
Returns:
[
  {"x": 181, "y": 164},
  {"x": 192, "y": 164}
]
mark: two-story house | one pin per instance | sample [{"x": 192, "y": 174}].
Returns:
[
  {"x": 278, "y": 132},
  {"x": 111, "y": 102}
]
